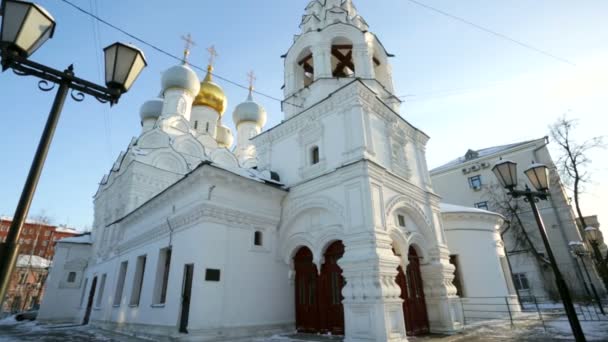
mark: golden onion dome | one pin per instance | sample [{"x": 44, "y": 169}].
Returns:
[{"x": 211, "y": 94}]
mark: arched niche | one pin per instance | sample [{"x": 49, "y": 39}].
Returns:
[
  {"x": 342, "y": 58},
  {"x": 169, "y": 160},
  {"x": 188, "y": 145}
]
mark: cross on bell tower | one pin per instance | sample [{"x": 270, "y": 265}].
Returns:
[
  {"x": 189, "y": 44},
  {"x": 212, "y": 54},
  {"x": 251, "y": 78}
]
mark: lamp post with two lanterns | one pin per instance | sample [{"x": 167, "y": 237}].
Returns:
[
  {"x": 579, "y": 249},
  {"x": 25, "y": 28},
  {"x": 538, "y": 174}
]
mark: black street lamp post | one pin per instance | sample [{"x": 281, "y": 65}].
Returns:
[
  {"x": 25, "y": 27},
  {"x": 580, "y": 250},
  {"x": 538, "y": 174}
]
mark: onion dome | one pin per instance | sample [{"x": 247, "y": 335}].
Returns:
[
  {"x": 211, "y": 94},
  {"x": 181, "y": 77},
  {"x": 151, "y": 109},
  {"x": 249, "y": 111},
  {"x": 224, "y": 136}
]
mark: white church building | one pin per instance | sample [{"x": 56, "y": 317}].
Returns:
[{"x": 325, "y": 223}]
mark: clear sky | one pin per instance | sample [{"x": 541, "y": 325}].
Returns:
[{"x": 469, "y": 89}]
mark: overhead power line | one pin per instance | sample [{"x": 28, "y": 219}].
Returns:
[
  {"x": 492, "y": 32},
  {"x": 168, "y": 54}
]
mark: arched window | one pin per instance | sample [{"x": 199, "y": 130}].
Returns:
[
  {"x": 258, "y": 238},
  {"x": 306, "y": 68},
  {"x": 314, "y": 155},
  {"x": 342, "y": 62}
]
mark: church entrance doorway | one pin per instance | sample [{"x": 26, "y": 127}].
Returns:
[
  {"x": 87, "y": 314},
  {"x": 319, "y": 296},
  {"x": 412, "y": 293},
  {"x": 186, "y": 295},
  {"x": 307, "y": 311}
]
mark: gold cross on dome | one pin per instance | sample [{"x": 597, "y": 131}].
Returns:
[
  {"x": 212, "y": 54},
  {"x": 189, "y": 44},
  {"x": 251, "y": 77}
]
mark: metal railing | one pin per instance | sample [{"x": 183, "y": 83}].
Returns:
[{"x": 476, "y": 310}]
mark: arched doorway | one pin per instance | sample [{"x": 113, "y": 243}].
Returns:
[
  {"x": 331, "y": 283},
  {"x": 412, "y": 293},
  {"x": 307, "y": 310},
  {"x": 319, "y": 296}
]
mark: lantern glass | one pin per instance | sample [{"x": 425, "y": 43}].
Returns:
[
  {"x": 538, "y": 174},
  {"x": 123, "y": 63},
  {"x": 506, "y": 173},
  {"x": 25, "y": 27},
  {"x": 592, "y": 233}
]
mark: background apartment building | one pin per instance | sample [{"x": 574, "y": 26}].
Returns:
[{"x": 469, "y": 181}]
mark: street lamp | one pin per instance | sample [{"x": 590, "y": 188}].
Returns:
[
  {"x": 580, "y": 250},
  {"x": 25, "y": 27},
  {"x": 538, "y": 175},
  {"x": 594, "y": 236}
]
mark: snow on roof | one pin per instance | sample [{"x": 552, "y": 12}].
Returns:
[
  {"x": 66, "y": 230},
  {"x": 447, "y": 208},
  {"x": 82, "y": 239},
  {"x": 34, "y": 261},
  {"x": 484, "y": 152}
]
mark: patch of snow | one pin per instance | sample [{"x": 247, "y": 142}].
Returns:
[
  {"x": 32, "y": 261},
  {"x": 10, "y": 320}
]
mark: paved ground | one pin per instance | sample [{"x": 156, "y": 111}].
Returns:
[{"x": 11, "y": 331}]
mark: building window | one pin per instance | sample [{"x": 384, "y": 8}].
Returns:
[
  {"x": 196, "y": 124},
  {"x": 162, "y": 276},
  {"x": 47, "y": 233},
  {"x": 258, "y": 238},
  {"x": 102, "y": 285},
  {"x": 71, "y": 277},
  {"x": 475, "y": 182},
  {"x": 521, "y": 281},
  {"x": 45, "y": 243},
  {"x": 482, "y": 205},
  {"x": 120, "y": 285},
  {"x": 22, "y": 278},
  {"x": 314, "y": 155},
  {"x": 401, "y": 220},
  {"x": 138, "y": 281},
  {"x": 207, "y": 127},
  {"x": 84, "y": 289}
]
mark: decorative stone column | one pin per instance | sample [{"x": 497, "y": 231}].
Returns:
[
  {"x": 372, "y": 305},
  {"x": 363, "y": 61},
  {"x": 443, "y": 305},
  {"x": 321, "y": 54}
]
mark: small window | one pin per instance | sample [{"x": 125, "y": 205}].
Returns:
[
  {"x": 482, "y": 205},
  {"x": 121, "y": 283},
  {"x": 195, "y": 124},
  {"x": 207, "y": 127},
  {"x": 521, "y": 281},
  {"x": 71, "y": 277},
  {"x": 475, "y": 182},
  {"x": 212, "y": 274},
  {"x": 401, "y": 220},
  {"x": 138, "y": 280},
  {"x": 23, "y": 278},
  {"x": 162, "y": 276},
  {"x": 314, "y": 155},
  {"x": 258, "y": 238},
  {"x": 102, "y": 286}
]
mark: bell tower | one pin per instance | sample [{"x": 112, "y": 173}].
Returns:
[{"x": 333, "y": 48}]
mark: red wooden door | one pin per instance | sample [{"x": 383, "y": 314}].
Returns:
[
  {"x": 412, "y": 293},
  {"x": 307, "y": 302},
  {"x": 331, "y": 283}
]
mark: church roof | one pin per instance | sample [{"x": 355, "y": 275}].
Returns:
[
  {"x": 447, "y": 208},
  {"x": 265, "y": 177},
  {"x": 81, "y": 239},
  {"x": 483, "y": 153}
]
